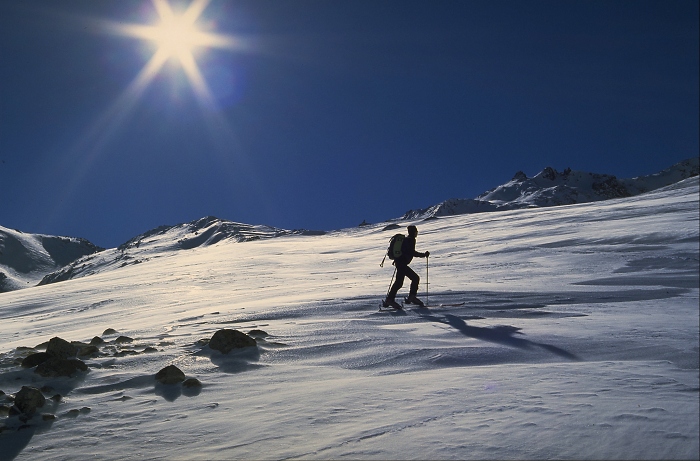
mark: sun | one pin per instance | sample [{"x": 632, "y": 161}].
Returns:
[{"x": 176, "y": 37}]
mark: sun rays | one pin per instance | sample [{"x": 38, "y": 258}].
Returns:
[{"x": 177, "y": 37}]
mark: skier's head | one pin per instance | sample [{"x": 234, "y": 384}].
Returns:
[{"x": 413, "y": 231}]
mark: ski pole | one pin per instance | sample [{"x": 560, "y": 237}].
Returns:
[
  {"x": 427, "y": 283},
  {"x": 392, "y": 281}
]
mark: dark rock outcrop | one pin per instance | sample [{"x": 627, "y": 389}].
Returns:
[
  {"x": 226, "y": 340},
  {"x": 170, "y": 375},
  {"x": 28, "y": 399}
]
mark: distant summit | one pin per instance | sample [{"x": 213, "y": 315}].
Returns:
[
  {"x": 26, "y": 258},
  {"x": 552, "y": 188}
]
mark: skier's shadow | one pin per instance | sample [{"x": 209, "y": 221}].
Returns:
[{"x": 501, "y": 334}]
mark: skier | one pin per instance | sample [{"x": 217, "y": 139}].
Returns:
[{"x": 408, "y": 251}]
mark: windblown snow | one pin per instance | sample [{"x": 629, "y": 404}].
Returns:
[{"x": 567, "y": 332}]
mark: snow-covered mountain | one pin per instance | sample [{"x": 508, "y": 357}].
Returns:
[
  {"x": 164, "y": 240},
  {"x": 44, "y": 261},
  {"x": 549, "y": 333},
  {"x": 26, "y": 258},
  {"x": 552, "y": 188}
]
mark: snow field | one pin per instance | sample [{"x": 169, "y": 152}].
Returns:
[{"x": 577, "y": 339}]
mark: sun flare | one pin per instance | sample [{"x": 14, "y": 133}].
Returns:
[{"x": 176, "y": 37}]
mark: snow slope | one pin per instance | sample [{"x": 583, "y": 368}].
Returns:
[
  {"x": 166, "y": 241},
  {"x": 567, "y": 332},
  {"x": 551, "y": 188},
  {"x": 26, "y": 258}
]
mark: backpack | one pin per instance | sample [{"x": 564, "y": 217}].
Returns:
[{"x": 394, "y": 251}]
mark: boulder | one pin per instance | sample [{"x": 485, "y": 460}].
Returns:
[
  {"x": 60, "y": 348},
  {"x": 96, "y": 341},
  {"x": 191, "y": 382},
  {"x": 33, "y": 360},
  {"x": 226, "y": 340},
  {"x": 28, "y": 399},
  {"x": 55, "y": 367},
  {"x": 170, "y": 375}
]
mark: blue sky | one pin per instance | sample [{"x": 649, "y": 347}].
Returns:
[{"x": 326, "y": 113}]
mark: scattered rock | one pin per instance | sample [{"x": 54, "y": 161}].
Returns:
[
  {"x": 60, "y": 348},
  {"x": 55, "y": 367},
  {"x": 226, "y": 340},
  {"x": 48, "y": 417},
  {"x": 33, "y": 360},
  {"x": 260, "y": 333},
  {"x": 123, "y": 339},
  {"x": 149, "y": 350},
  {"x": 170, "y": 375},
  {"x": 109, "y": 331},
  {"x": 191, "y": 382},
  {"x": 88, "y": 350},
  {"x": 57, "y": 398},
  {"x": 96, "y": 341},
  {"x": 125, "y": 352},
  {"x": 28, "y": 399}
]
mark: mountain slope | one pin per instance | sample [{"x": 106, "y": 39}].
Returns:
[
  {"x": 551, "y": 188},
  {"x": 26, "y": 258},
  {"x": 164, "y": 240},
  {"x": 550, "y": 333}
]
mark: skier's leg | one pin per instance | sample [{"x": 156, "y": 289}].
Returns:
[
  {"x": 398, "y": 283},
  {"x": 415, "y": 282}
]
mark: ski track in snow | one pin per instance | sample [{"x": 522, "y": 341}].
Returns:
[{"x": 577, "y": 339}]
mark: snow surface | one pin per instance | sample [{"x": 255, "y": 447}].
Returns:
[{"x": 576, "y": 338}]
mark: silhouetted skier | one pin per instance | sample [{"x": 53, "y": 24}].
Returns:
[{"x": 408, "y": 251}]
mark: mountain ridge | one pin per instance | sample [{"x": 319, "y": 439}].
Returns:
[
  {"x": 552, "y": 188},
  {"x": 36, "y": 259}
]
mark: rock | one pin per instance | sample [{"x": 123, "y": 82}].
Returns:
[
  {"x": 260, "y": 333},
  {"x": 48, "y": 417},
  {"x": 33, "y": 360},
  {"x": 55, "y": 367},
  {"x": 60, "y": 348},
  {"x": 192, "y": 382},
  {"x": 109, "y": 331},
  {"x": 226, "y": 340},
  {"x": 123, "y": 339},
  {"x": 57, "y": 398},
  {"x": 4, "y": 410},
  {"x": 28, "y": 399},
  {"x": 88, "y": 350},
  {"x": 46, "y": 389},
  {"x": 170, "y": 375},
  {"x": 96, "y": 341},
  {"x": 150, "y": 350}
]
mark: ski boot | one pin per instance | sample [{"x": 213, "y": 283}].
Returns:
[
  {"x": 391, "y": 303},
  {"x": 411, "y": 299}
]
